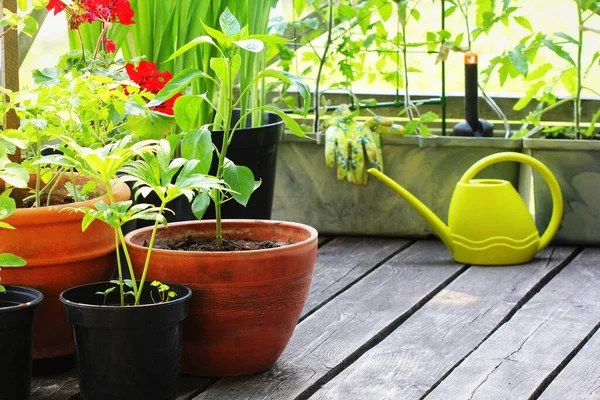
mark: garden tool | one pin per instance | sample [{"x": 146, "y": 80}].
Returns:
[
  {"x": 488, "y": 222},
  {"x": 351, "y": 147},
  {"x": 472, "y": 125}
]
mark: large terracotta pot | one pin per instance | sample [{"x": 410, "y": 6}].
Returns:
[
  {"x": 245, "y": 304},
  {"x": 59, "y": 256}
]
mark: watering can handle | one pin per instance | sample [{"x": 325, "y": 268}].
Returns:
[{"x": 557, "y": 200}]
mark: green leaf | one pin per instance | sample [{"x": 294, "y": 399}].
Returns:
[
  {"x": 39, "y": 4},
  {"x": 30, "y": 26},
  {"x": 567, "y": 38},
  {"x": 187, "y": 109},
  {"x": 15, "y": 175},
  {"x": 299, "y": 6},
  {"x": 411, "y": 127},
  {"x": 298, "y": 84},
  {"x": 46, "y": 76},
  {"x": 190, "y": 45},
  {"x": 346, "y": 12},
  {"x": 291, "y": 124},
  {"x": 222, "y": 38},
  {"x": 241, "y": 180},
  {"x": 229, "y": 24},
  {"x": 558, "y": 50},
  {"x": 569, "y": 80},
  {"x": 219, "y": 66},
  {"x": 10, "y": 260},
  {"x": 88, "y": 218},
  {"x": 386, "y": 10},
  {"x": 176, "y": 85},
  {"x": 539, "y": 72},
  {"x": 4, "y": 225},
  {"x": 519, "y": 60},
  {"x": 429, "y": 116},
  {"x": 7, "y": 207},
  {"x": 525, "y": 100},
  {"x": 197, "y": 145},
  {"x": 200, "y": 204},
  {"x": 524, "y": 22},
  {"x": 23, "y": 5},
  {"x": 253, "y": 45}
]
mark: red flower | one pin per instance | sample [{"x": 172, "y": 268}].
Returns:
[
  {"x": 110, "y": 46},
  {"x": 108, "y": 11},
  {"x": 56, "y": 6},
  {"x": 151, "y": 80}
]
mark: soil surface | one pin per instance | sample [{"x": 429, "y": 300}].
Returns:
[{"x": 200, "y": 244}]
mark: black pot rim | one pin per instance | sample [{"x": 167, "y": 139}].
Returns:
[
  {"x": 39, "y": 297},
  {"x": 250, "y": 129},
  {"x": 179, "y": 299}
]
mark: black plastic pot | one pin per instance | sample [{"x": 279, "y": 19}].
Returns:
[
  {"x": 18, "y": 307},
  {"x": 255, "y": 148},
  {"x": 131, "y": 352}
]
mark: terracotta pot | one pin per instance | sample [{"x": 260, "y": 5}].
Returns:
[
  {"x": 245, "y": 304},
  {"x": 59, "y": 256}
]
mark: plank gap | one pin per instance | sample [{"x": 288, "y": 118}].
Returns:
[
  {"x": 349, "y": 285},
  {"x": 528, "y": 296},
  {"x": 201, "y": 389},
  {"x": 546, "y": 382},
  {"x": 377, "y": 338}
]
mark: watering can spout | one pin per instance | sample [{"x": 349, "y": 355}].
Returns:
[{"x": 438, "y": 225}]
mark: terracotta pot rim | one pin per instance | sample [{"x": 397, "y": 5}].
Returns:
[
  {"x": 216, "y": 254},
  {"x": 41, "y": 215}
]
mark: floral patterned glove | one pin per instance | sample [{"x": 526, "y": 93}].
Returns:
[
  {"x": 384, "y": 126},
  {"x": 353, "y": 149}
]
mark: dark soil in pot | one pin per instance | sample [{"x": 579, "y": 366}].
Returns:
[
  {"x": 131, "y": 352},
  {"x": 18, "y": 307},
  {"x": 202, "y": 244}
]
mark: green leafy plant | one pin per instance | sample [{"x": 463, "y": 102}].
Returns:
[
  {"x": 568, "y": 69},
  {"x": 150, "y": 166},
  {"x": 163, "y": 27},
  {"x": 7, "y": 207},
  {"x": 230, "y": 42}
]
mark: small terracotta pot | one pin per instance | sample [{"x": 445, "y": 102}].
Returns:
[
  {"x": 59, "y": 256},
  {"x": 245, "y": 304}
]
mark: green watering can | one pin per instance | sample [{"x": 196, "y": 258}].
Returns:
[{"x": 488, "y": 222}]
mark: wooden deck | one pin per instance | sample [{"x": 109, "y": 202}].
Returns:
[{"x": 398, "y": 319}]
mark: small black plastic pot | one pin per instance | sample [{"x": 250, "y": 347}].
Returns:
[
  {"x": 18, "y": 307},
  {"x": 131, "y": 352}
]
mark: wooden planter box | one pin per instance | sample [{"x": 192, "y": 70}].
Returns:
[
  {"x": 307, "y": 191},
  {"x": 576, "y": 165}
]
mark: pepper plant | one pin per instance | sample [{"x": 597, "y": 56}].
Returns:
[
  {"x": 150, "y": 166},
  {"x": 230, "y": 41}
]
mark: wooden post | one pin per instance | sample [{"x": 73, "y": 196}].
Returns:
[{"x": 10, "y": 69}]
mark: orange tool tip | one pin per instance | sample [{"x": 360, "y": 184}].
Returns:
[{"x": 471, "y": 58}]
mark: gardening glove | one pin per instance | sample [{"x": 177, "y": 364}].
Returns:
[
  {"x": 384, "y": 126},
  {"x": 353, "y": 149}
]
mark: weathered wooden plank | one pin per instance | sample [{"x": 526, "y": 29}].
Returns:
[
  {"x": 360, "y": 317},
  {"x": 344, "y": 260},
  {"x": 438, "y": 336},
  {"x": 540, "y": 337},
  {"x": 65, "y": 386},
  {"x": 580, "y": 380},
  {"x": 324, "y": 240}
]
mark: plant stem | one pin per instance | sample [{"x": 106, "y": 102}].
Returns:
[
  {"x": 322, "y": 64},
  {"x": 579, "y": 77},
  {"x": 57, "y": 179},
  {"x": 228, "y": 105},
  {"x": 138, "y": 293},
  {"x": 38, "y": 168},
  {"x": 128, "y": 260},
  {"x": 76, "y": 196},
  {"x": 82, "y": 44},
  {"x": 105, "y": 28},
  {"x": 119, "y": 268}
]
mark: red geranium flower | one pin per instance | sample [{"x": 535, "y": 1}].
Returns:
[
  {"x": 151, "y": 80},
  {"x": 108, "y": 11},
  {"x": 110, "y": 46},
  {"x": 56, "y": 6}
]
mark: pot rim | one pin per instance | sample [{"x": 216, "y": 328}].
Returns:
[
  {"x": 38, "y": 299},
  {"x": 86, "y": 306},
  {"x": 312, "y": 231},
  {"x": 36, "y": 216},
  {"x": 250, "y": 128}
]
